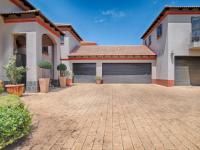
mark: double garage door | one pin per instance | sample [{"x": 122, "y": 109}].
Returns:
[
  {"x": 113, "y": 72},
  {"x": 187, "y": 71}
]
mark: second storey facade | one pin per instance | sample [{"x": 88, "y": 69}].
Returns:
[{"x": 175, "y": 37}]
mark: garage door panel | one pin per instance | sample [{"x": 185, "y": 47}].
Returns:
[
  {"x": 127, "y": 73},
  {"x": 84, "y": 79},
  {"x": 126, "y": 69},
  {"x": 128, "y": 79},
  {"x": 187, "y": 71},
  {"x": 84, "y": 72}
]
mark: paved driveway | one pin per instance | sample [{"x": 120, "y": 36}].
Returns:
[{"x": 117, "y": 117}]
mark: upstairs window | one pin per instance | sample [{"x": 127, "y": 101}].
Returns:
[
  {"x": 149, "y": 40},
  {"x": 145, "y": 42},
  {"x": 195, "y": 29},
  {"x": 62, "y": 39},
  {"x": 159, "y": 31}
]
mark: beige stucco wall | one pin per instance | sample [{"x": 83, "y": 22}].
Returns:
[
  {"x": 70, "y": 42},
  {"x": 7, "y": 6},
  {"x": 179, "y": 35},
  {"x": 34, "y": 34},
  {"x": 160, "y": 46}
]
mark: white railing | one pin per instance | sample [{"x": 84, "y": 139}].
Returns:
[{"x": 195, "y": 41}]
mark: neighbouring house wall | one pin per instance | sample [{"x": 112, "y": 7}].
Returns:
[
  {"x": 160, "y": 47},
  {"x": 34, "y": 33},
  {"x": 8, "y": 6},
  {"x": 180, "y": 37},
  {"x": 70, "y": 42}
]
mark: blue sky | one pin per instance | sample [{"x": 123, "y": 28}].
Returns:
[{"x": 107, "y": 22}]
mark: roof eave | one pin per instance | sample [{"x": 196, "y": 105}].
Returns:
[{"x": 166, "y": 8}]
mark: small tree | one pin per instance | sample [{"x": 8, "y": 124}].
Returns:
[
  {"x": 69, "y": 74},
  {"x": 14, "y": 73},
  {"x": 62, "y": 68},
  {"x": 45, "y": 65}
]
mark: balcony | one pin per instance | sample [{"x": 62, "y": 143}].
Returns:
[{"x": 195, "y": 42}]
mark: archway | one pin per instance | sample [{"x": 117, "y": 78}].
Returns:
[{"x": 48, "y": 54}]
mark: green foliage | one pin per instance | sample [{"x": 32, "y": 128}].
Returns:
[
  {"x": 9, "y": 100},
  {"x": 14, "y": 73},
  {"x": 1, "y": 90},
  {"x": 62, "y": 68},
  {"x": 15, "y": 120},
  {"x": 69, "y": 74},
  {"x": 98, "y": 78},
  {"x": 45, "y": 65}
]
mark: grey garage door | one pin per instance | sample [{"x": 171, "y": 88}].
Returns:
[
  {"x": 84, "y": 72},
  {"x": 187, "y": 71},
  {"x": 127, "y": 73}
]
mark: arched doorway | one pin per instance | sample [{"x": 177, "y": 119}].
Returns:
[
  {"x": 48, "y": 49},
  {"x": 20, "y": 52}
]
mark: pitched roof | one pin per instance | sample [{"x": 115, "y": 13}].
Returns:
[
  {"x": 70, "y": 28},
  {"x": 87, "y": 43},
  {"x": 24, "y": 4},
  {"x": 36, "y": 13},
  {"x": 128, "y": 50},
  {"x": 166, "y": 9}
]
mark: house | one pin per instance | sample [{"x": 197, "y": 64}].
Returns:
[
  {"x": 32, "y": 37},
  {"x": 175, "y": 37},
  {"x": 169, "y": 55}
]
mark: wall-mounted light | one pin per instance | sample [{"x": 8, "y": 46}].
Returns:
[{"x": 172, "y": 57}]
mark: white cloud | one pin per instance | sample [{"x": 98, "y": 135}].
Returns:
[
  {"x": 99, "y": 20},
  {"x": 113, "y": 13}
]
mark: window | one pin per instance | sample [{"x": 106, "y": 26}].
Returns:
[
  {"x": 45, "y": 51},
  {"x": 159, "y": 31},
  {"x": 145, "y": 42},
  {"x": 150, "y": 40},
  {"x": 195, "y": 29},
  {"x": 62, "y": 39}
]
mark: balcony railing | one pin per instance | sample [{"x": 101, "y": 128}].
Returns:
[{"x": 195, "y": 42}]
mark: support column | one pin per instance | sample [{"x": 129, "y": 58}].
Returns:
[
  {"x": 32, "y": 47},
  {"x": 99, "y": 69},
  {"x": 153, "y": 70},
  {"x": 56, "y": 63}
]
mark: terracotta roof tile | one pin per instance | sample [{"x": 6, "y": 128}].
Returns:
[{"x": 95, "y": 50}]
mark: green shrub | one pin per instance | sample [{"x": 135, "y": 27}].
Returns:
[
  {"x": 13, "y": 72},
  {"x": 15, "y": 120},
  {"x": 10, "y": 100},
  {"x": 69, "y": 74},
  {"x": 1, "y": 90},
  {"x": 45, "y": 65},
  {"x": 62, "y": 68}
]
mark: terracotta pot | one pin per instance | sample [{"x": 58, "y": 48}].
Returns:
[
  {"x": 15, "y": 89},
  {"x": 44, "y": 85},
  {"x": 99, "y": 81},
  {"x": 1, "y": 83},
  {"x": 62, "y": 81},
  {"x": 69, "y": 82}
]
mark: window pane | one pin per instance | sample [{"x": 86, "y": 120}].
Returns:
[{"x": 195, "y": 28}]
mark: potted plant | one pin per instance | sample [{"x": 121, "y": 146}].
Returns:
[
  {"x": 1, "y": 90},
  {"x": 69, "y": 80},
  {"x": 99, "y": 80},
  {"x": 45, "y": 81},
  {"x": 62, "y": 79},
  {"x": 14, "y": 74}
]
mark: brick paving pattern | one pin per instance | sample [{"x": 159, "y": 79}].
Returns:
[{"x": 115, "y": 117}]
